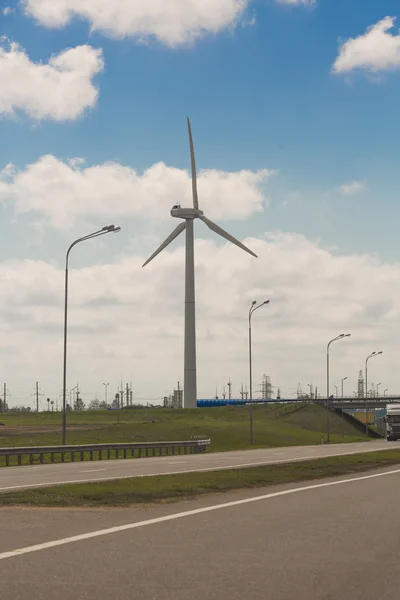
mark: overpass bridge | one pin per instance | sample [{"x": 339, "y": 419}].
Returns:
[{"x": 349, "y": 402}]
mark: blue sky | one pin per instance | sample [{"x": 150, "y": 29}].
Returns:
[{"x": 261, "y": 94}]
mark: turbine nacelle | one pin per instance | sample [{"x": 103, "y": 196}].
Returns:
[
  {"x": 186, "y": 213},
  {"x": 189, "y": 214}
]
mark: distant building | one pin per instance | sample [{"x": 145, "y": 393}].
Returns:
[
  {"x": 177, "y": 400},
  {"x": 174, "y": 400}
]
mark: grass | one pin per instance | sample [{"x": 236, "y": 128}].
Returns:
[
  {"x": 126, "y": 492},
  {"x": 227, "y": 427}
]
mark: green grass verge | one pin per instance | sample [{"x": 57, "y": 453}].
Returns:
[
  {"x": 126, "y": 492},
  {"x": 227, "y": 427}
]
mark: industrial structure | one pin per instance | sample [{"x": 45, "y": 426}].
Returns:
[
  {"x": 360, "y": 385},
  {"x": 266, "y": 388},
  {"x": 174, "y": 400}
]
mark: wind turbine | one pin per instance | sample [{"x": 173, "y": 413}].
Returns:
[{"x": 189, "y": 215}]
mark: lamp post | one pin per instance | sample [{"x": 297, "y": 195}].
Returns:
[
  {"x": 105, "y": 392},
  {"x": 377, "y": 388},
  {"x": 102, "y": 231},
  {"x": 71, "y": 391},
  {"x": 339, "y": 337},
  {"x": 254, "y": 306},
  {"x": 384, "y": 392},
  {"x": 336, "y": 388},
  {"x": 343, "y": 380},
  {"x": 373, "y": 354}
]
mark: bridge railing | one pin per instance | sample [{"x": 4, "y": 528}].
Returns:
[{"x": 100, "y": 451}]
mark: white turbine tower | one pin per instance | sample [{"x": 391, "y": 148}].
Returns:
[{"x": 188, "y": 215}]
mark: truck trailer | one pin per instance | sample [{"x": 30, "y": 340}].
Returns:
[{"x": 392, "y": 422}]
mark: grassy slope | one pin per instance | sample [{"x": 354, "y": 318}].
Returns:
[
  {"x": 228, "y": 428},
  {"x": 175, "y": 487}
]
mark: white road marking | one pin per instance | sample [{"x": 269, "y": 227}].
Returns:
[
  {"x": 260, "y": 463},
  {"x": 181, "y": 515},
  {"x": 228, "y": 457},
  {"x": 177, "y": 472},
  {"x": 177, "y": 462},
  {"x": 92, "y": 471}
]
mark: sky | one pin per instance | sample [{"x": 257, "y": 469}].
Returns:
[{"x": 294, "y": 110}]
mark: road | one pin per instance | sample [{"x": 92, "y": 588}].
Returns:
[
  {"x": 330, "y": 540},
  {"x": 14, "y": 478}
]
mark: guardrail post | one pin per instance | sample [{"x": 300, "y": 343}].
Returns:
[{"x": 19, "y": 460}]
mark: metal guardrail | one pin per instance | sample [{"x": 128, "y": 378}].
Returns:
[{"x": 129, "y": 450}]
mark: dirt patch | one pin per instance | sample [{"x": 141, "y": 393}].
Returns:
[{"x": 35, "y": 429}]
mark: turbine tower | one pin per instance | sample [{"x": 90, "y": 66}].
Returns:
[{"x": 188, "y": 215}]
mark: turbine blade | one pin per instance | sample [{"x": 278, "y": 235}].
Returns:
[
  {"x": 170, "y": 238},
  {"x": 193, "y": 164},
  {"x": 226, "y": 235}
]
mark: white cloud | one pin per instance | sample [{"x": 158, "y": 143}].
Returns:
[
  {"x": 376, "y": 50},
  {"x": 8, "y": 10},
  {"x": 59, "y": 90},
  {"x": 62, "y": 192},
  {"x": 170, "y": 22},
  {"x": 353, "y": 187},
  {"x": 129, "y": 319}
]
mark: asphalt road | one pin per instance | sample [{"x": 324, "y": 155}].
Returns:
[
  {"x": 333, "y": 540},
  {"x": 13, "y": 478}
]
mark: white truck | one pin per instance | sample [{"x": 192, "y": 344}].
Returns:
[{"x": 392, "y": 422}]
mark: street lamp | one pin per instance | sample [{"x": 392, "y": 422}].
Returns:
[
  {"x": 339, "y": 337},
  {"x": 71, "y": 391},
  {"x": 384, "y": 392},
  {"x": 105, "y": 392},
  {"x": 254, "y": 306},
  {"x": 311, "y": 390},
  {"x": 336, "y": 388},
  {"x": 377, "y": 389},
  {"x": 343, "y": 380},
  {"x": 102, "y": 231},
  {"x": 373, "y": 354}
]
